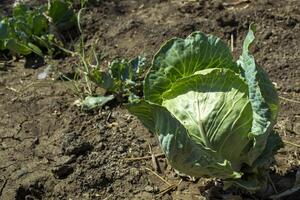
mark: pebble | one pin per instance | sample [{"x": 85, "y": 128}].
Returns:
[
  {"x": 22, "y": 172},
  {"x": 121, "y": 149},
  {"x": 100, "y": 146},
  {"x": 109, "y": 189},
  {"x": 296, "y": 128},
  {"x": 149, "y": 188},
  {"x": 267, "y": 35},
  {"x": 66, "y": 160}
]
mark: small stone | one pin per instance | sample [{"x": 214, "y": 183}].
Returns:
[
  {"x": 109, "y": 189},
  {"x": 267, "y": 35},
  {"x": 144, "y": 195},
  {"x": 296, "y": 128},
  {"x": 36, "y": 141},
  {"x": 291, "y": 22},
  {"x": 100, "y": 146},
  {"x": 128, "y": 118},
  {"x": 22, "y": 172},
  {"x": 65, "y": 160},
  {"x": 149, "y": 188},
  {"x": 289, "y": 126},
  {"x": 135, "y": 191},
  {"x": 121, "y": 149}
]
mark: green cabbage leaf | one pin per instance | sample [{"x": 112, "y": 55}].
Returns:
[{"x": 213, "y": 116}]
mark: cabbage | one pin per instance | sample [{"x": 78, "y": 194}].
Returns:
[{"x": 213, "y": 116}]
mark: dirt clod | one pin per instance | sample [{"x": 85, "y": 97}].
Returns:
[
  {"x": 76, "y": 147},
  {"x": 62, "y": 171}
]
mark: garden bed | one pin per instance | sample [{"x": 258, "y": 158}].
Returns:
[{"x": 50, "y": 149}]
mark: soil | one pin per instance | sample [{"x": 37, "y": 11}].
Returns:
[{"x": 50, "y": 149}]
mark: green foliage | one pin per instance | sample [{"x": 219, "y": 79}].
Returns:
[
  {"x": 34, "y": 30},
  {"x": 122, "y": 81},
  {"x": 61, "y": 15},
  {"x": 91, "y": 102},
  {"x": 123, "y": 75},
  {"x": 213, "y": 116}
]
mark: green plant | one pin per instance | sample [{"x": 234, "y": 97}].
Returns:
[
  {"x": 124, "y": 77},
  {"x": 213, "y": 116},
  {"x": 97, "y": 86},
  {"x": 62, "y": 17},
  {"x": 122, "y": 81},
  {"x": 31, "y": 31}
]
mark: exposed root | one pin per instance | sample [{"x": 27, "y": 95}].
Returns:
[
  {"x": 289, "y": 100},
  {"x": 154, "y": 160},
  {"x": 161, "y": 178},
  {"x": 169, "y": 188},
  {"x": 3, "y": 186},
  {"x": 291, "y": 143},
  {"x": 236, "y": 3},
  {"x": 144, "y": 157}
]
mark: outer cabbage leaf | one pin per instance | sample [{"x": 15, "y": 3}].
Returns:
[
  {"x": 20, "y": 10},
  {"x": 4, "y": 30},
  {"x": 91, "y": 102},
  {"x": 179, "y": 58},
  {"x": 183, "y": 153},
  {"x": 62, "y": 15},
  {"x": 40, "y": 24},
  {"x": 2, "y": 45},
  {"x": 18, "y": 47},
  {"x": 263, "y": 98}
]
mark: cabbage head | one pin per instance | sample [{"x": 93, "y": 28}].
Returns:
[{"x": 213, "y": 116}]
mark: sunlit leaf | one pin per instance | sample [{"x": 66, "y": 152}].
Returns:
[{"x": 90, "y": 102}]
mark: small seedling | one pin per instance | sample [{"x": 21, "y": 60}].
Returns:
[{"x": 121, "y": 81}]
